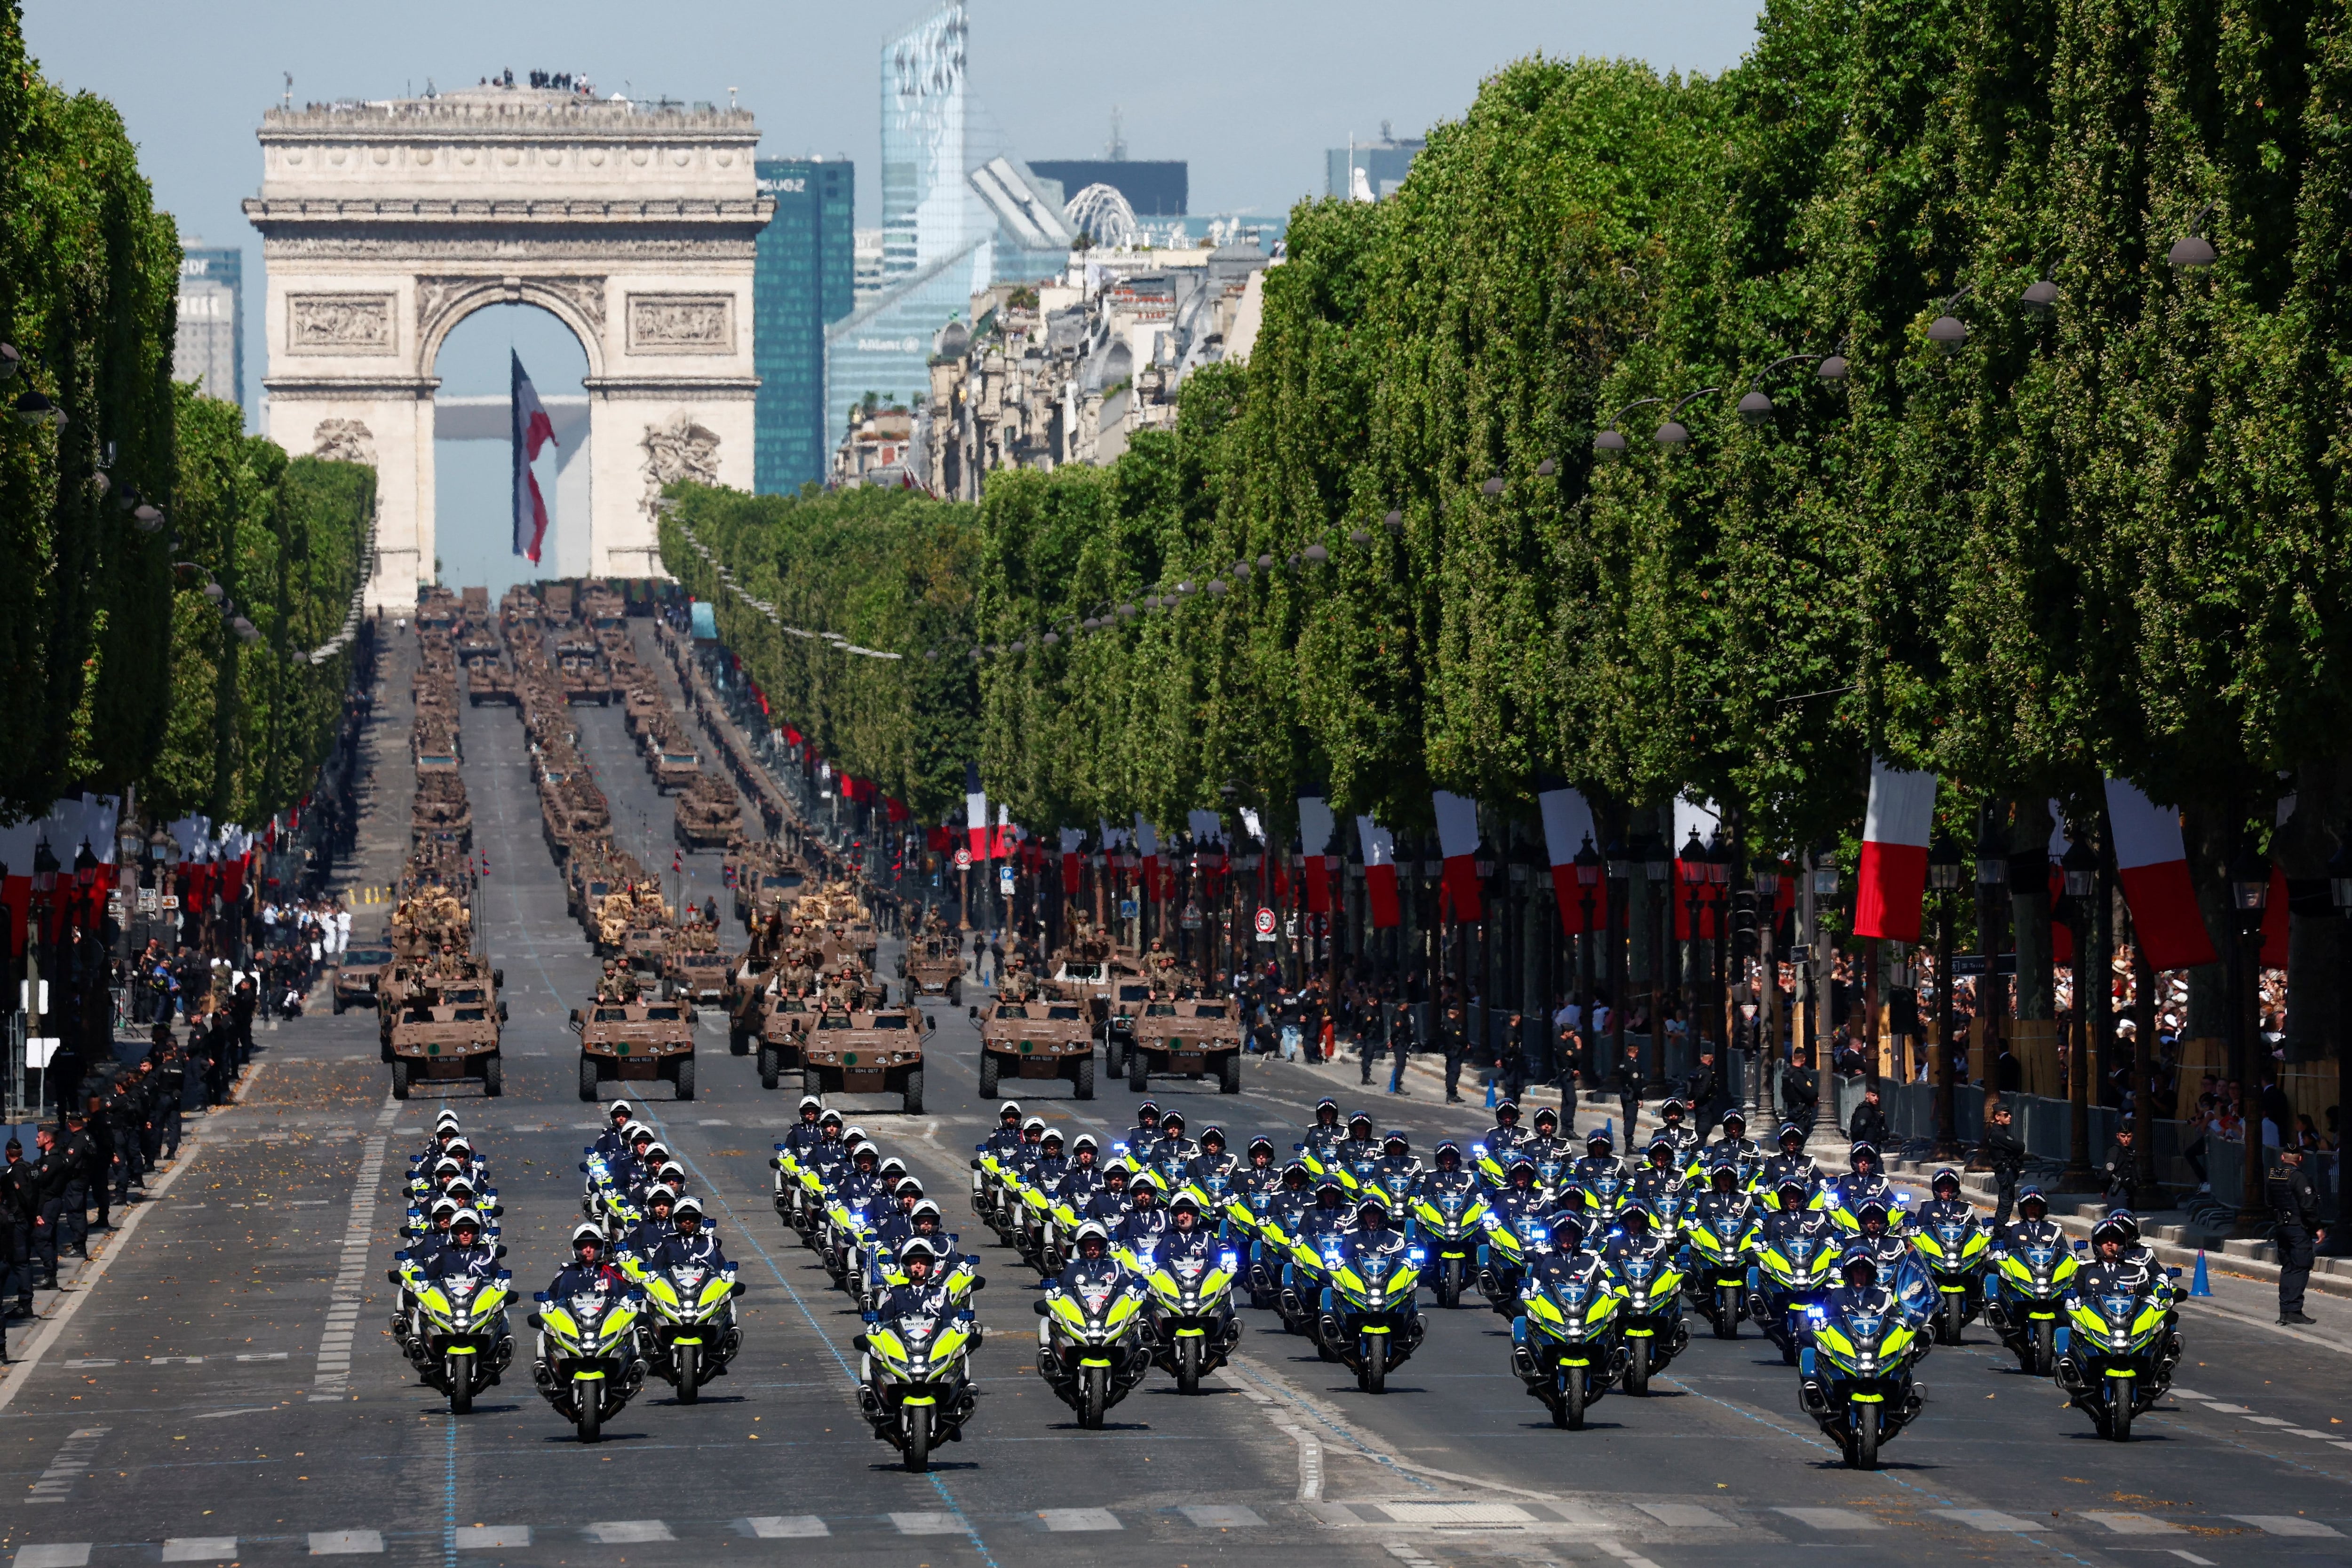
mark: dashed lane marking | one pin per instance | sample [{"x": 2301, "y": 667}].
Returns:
[{"x": 56, "y": 1483}]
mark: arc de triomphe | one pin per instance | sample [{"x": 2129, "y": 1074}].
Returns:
[{"x": 385, "y": 224}]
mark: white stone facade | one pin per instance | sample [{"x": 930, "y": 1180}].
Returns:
[{"x": 386, "y": 224}]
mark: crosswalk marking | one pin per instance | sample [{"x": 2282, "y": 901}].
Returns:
[
  {"x": 2131, "y": 1523},
  {"x": 627, "y": 1532},
  {"x": 75, "y": 1555},
  {"x": 1420, "y": 1512},
  {"x": 1830, "y": 1518},
  {"x": 1071, "y": 1520},
  {"x": 199, "y": 1548},
  {"x": 927, "y": 1523},
  {"x": 1991, "y": 1520},
  {"x": 1221, "y": 1516},
  {"x": 2285, "y": 1524},
  {"x": 786, "y": 1527},
  {"x": 488, "y": 1537},
  {"x": 72, "y": 1459},
  {"x": 345, "y": 1542},
  {"x": 1684, "y": 1515}
]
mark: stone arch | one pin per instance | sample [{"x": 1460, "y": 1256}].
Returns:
[{"x": 442, "y": 302}]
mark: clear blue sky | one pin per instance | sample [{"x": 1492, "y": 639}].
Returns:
[{"x": 1250, "y": 93}]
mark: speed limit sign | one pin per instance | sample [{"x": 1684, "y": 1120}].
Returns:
[
  {"x": 963, "y": 860},
  {"x": 1264, "y": 924}
]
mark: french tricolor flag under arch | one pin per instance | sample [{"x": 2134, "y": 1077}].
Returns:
[
  {"x": 2152, "y": 863},
  {"x": 1892, "y": 876},
  {"x": 532, "y": 430}
]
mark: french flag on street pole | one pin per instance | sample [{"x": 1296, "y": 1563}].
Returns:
[
  {"x": 2152, "y": 863},
  {"x": 1568, "y": 827},
  {"x": 1379, "y": 873},
  {"x": 532, "y": 430},
  {"x": 1315, "y": 826},
  {"x": 1457, "y": 841},
  {"x": 1147, "y": 839},
  {"x": 1892, "y": 877},
  {"x": 1072, "y": 838},
  {"x": 975, "y": 811}
]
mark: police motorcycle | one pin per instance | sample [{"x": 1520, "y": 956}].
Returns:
[
  {"x": 1315, "y": 1236},
  {"x": 1275, "y": 1223},
  {"x": 1449, "y": 1212},
  {"x": 460, "y": 1343},
  {"x": 1090, "y": 1334},
  {"x": 689, "y": 1319},
  {"x": 853, "y": 1210},
  {"x": 991, "y": 1172},
  {"x": 1954, "y": 1247},
  {"x": 2117, "y": 1348},
  {"x": 1193, "y": 1325},
  {"x": 1603, "y": 1178},
  {"x": 1843, "y": 1197},
  {"x": 794, "y": 1156},
  {"x": 1854, "y": 1373},
  {"x": 2032, "y": 1269},
  {"x": 1795, "y": 1269},
  {"x": 1516, "y": 1229},
  {"x": 1249, "y": 1204},
  {"x": 1723, "y": 1231},
  {"x": 1370, "y": 1316},
  {"x": 915, "y": 1360},
  {"x": 589, "y": 1365},
  {"x": 1566, "y": 1344},
  {"x": 1650, "y": 1264}
]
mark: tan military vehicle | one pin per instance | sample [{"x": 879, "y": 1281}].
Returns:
[
  {"x": 359, "y": 971},
  {"x": 445, "y": 1026},
  {"x": 1187, "y": 1037},
  {"x": 768, "y": 881},
  {"x": 695, "y": 969},
  {"x": 580, "y": 668},
  {"x": 782, "y": 1035},
  {"x": 932, "y": 964},
  {"x": 708, "y": 816},
  {"x": 637, "y": 1043},
  {"x": 642, "y": 707},
  {"x": 1124, "y": 999},
  {"x": 674, "y": 768},
  {"x": 877, "y": 1052},
  {"x": 490, "y": 681},
  {"x": 1037, "y": 1039},
  {"x": 440, "y": 814}
]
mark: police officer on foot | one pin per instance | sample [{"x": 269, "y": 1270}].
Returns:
[{"x": 2295, "y": 1214}]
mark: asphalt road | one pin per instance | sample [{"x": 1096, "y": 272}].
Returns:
[{"x": 224, "y": 1390}]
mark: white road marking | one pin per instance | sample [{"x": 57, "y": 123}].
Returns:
[{"x": 57, "y": 1483}]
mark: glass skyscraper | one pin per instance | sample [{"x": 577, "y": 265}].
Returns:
[
  {"x": 803, "y": 282},
  {"x": 210, "y": 346}
]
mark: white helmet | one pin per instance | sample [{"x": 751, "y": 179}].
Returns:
[
  {"x": 467, "y": 1217},
  {"x": 1091, "y": 1228},
  {"x": 620, "y": 1108},
  {"x": 687, "y": 1207},
  {"x": 583, "y": 1231}
]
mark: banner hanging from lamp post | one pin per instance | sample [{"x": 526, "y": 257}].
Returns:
[
  {"x": 2152, "y": 863},
  {"x": 1314, "y": 829},
  {"x": 532, "y": 430},
  {"x": 1892, "y": 878},
  {"x": 1457, "y": 841},
  {"x": 1568, "y": 828},
  {"x": 1379, "y": 873}
]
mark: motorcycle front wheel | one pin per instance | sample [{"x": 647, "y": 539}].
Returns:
[
  {"x": 1637, "y": 1375},
  {"x": 460, "y": 1375},
  {"x": 591, "y": 1410},
  {"x": 2045, "y": 1336},
  {"x": 2119, "y": 1408},
  {"x": 1188, "y": 1365},
  {"x": 1094, "y": 1398},
  {"x": 1571, "y": 1413},
  {"x": 1727, "y": 1313},
  {"x": 1865, "y": 1437},
  {"x": 1374, "y": 1378},
  {"x": 689, "y": 1372},
  {"x": 1955, "y": 1314},
  {"x": 1449, "y": 1284},
  {"x": 918, "y": 1439}
]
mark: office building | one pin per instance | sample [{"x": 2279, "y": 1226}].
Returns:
[
  {"x": 1381, "y": 165},
  {"x": 804, "y": 280},
  {"x": 209, "y": 348},
  {"x": 1154, "y": 188}
]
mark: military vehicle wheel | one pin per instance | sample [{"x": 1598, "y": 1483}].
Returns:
[
  {"x": 494, "y": 1077},
  {"x": 1137, "y": 1074},
  {"x": 339, "y": 1004},
  {"x": 684, "y": 1077},
  {"x": 587, "y": 1077},
  {"x": 955, "y": 993},
  {"x": 399, "y": 1080},
  {"x": 914, "y": 1095},
  {"x": 1084, "y": 1079},
  {"x": 738, "y": 1042},
  {"x": 987, "y": 1071},
  {"x": 1229, "y": 1074}
]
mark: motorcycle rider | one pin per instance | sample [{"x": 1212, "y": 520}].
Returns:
[
  {"x": 1947, "y": 1205},
  {"x": 1360, "y": 1145},
  {"x": 1324, "y": 1133},
  {"x": 925, "y": 1293},
  {"x": 1636, "y": 1239},
  {"x": 1212, "y": 1162},
  {"x": 1675, "y": 1127},
  {"x": 2034, "y": 1227},
  {"x": 588, "y": 1271},
  {"x": 1792, "y": 1218},
  {"x": 1186, "y": 1236},
  {"x": 1544, "y": 1143},
  {"x": 1084, "y": 1179},
  {"x": 1723, "y": 1195},
  {"x": 1791, "y": 1162},
  {"x": 1173, "y": 1147},
  {"x": 1110, "y": 1206},
  {"x": 1736, "y": 1141},
  {"x": 1504, "y": 1135},
  {"x": 1373, "y": 1236},
  {"x": 897, "y": 1223},
  {"x": 445, "y": 1127},
  {"x": 465, "y": 1252},
  {"x": 1520, "y": 1198},
  {"x": 1599, "y": 1160},
  {"x": 1662, "y": 1171},
  {"x": 1146, "y": 1221},
  {"x": 1091, "y": 1262},
  {"x": 830, "y": 1150},
  {"x": 646, "y": 1238},
  {"x": 1447, "y": 1174},
  {"x": 1030, "y": 1149},
  {"x": 1141, "y": 1138},
  {"x": 1328, "y": 1215},
  {"x": 1899, "y": 1269},
  {"x": 1007, "y": 1137},
  {"x": 1570, "y": 1259},
  {"x": 1259, "y": 1175},
  {"x": 1051, "y": 1164},
  {"x": 805, "y": 1133},
  {"x": 2136, "y": 1254},
  {"x": 1866, "y": 1181},
  {"x": 1396, "y": 1171},
  {"x": 693, "y": 1244}
]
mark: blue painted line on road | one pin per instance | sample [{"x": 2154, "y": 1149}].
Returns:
[{"x": 449, "y": 1493}]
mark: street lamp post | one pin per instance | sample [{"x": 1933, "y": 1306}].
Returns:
[
  {"x": 1657, "y": 868},
  {"x": 1620, "y": 880},
  {"x": 2081, "y": 868},
  {"x": 1767, "y": 1055},
  {"x": 1992, "y": 876},
  {"x": 1588, "y": 869},
  {"x": 1945, "y": 866},
  {"x": 2249, "y": 890},
  {"x": 1822, "y": 882},
  {"x": 1718, "y": 883}
]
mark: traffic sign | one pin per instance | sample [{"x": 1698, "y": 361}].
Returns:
[
  {"x": 1191, "y": 916},
  {"x": 963, "y": 860},
  {"x": 1264, "y": 924}
]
